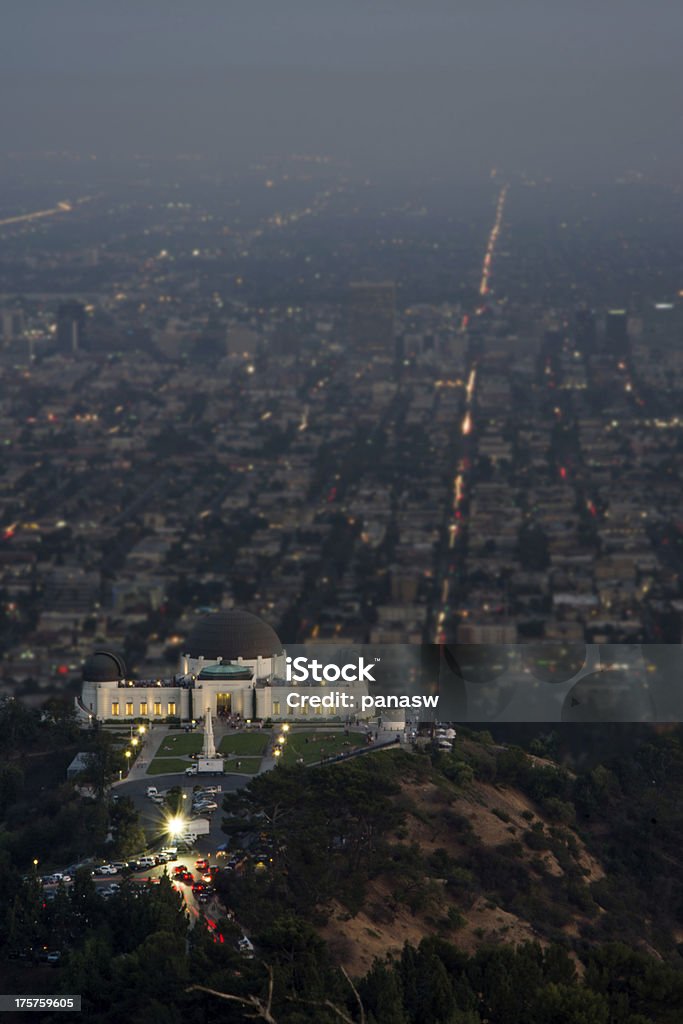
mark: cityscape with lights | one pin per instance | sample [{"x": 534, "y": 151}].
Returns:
[{"x": 341, "y": 529}]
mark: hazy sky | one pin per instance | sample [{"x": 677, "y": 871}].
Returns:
[{"x": 426, "y": 86}]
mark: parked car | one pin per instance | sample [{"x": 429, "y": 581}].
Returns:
[
  {"x": 246, "y": 947},
  {"x": 58, "y": 877},
  {"x": 152, "y": 791}
]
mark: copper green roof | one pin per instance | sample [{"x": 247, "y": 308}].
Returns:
[{"x": 226, "y": 672}]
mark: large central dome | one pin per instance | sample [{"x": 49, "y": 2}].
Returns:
[{"x": 230, "y": 635}]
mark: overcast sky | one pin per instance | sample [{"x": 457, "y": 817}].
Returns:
[{"x": 422, "y": 87}]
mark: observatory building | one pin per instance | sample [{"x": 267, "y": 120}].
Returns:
[{"x": 232, "y": 663}]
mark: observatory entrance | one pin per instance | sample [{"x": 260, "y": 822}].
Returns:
[{"x": 223, "y": 704}]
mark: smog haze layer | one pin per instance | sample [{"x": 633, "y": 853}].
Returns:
[{"x": 447, "y": 91}]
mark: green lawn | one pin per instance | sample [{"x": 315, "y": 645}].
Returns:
[
  {"x": 319, "y": 744},
  {"x": 245, "y": 743},
  {"x": 183, "y": 743},
  {"x": 160, "y": 765},
  {"x": 248, "y": 765}
]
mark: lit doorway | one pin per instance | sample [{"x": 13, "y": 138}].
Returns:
[{"x": 223, "y": 704}]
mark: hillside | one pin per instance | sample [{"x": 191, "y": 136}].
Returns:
[
  {"x": 444, "y": 824},
  {"x": 487, "y": 844}
]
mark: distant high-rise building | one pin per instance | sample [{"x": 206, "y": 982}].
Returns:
[
  {"x": 11, "y": 324},
  {"x": 70, "y": 327},
  {"x": 372, "y": 319},
  {"x": 616, "y": 332},
  {"x": 584, "y": 330},
  {"x": 663, "y": 321}
]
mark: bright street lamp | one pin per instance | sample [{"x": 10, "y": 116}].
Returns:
[{"x": 176, "y": 825}]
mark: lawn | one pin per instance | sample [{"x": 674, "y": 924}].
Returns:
[
  {"x": 160, "y": 765},
  {"x": 182, "y": 744},
  {"x": 245, "y": 743},
  {"x": 311, "y": 746},
  {"x": 248, "y": 765}
]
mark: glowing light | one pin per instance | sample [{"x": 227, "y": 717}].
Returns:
[
  {"x": 176, "y": 825},
  {"x": 471, "y": 380}
]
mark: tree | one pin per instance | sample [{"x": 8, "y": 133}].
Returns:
[
  {"x": 11, "y": 784},
  {"x": 563, "y": 1004},
  {"x": 60, "y": 714},
  {"x": 383, "y": 996},
  {"x": 129, "y": 835},
  {"x": 84, "y": 898},
  {"x": 100, "y": 767}
]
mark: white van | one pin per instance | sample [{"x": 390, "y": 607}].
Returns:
[{"x": 152, "y": 791}]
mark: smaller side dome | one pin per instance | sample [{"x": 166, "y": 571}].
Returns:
[{"x": 104, "y": 667}]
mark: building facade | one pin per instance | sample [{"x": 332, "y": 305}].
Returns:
[{"x": 233, "y": 664}]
